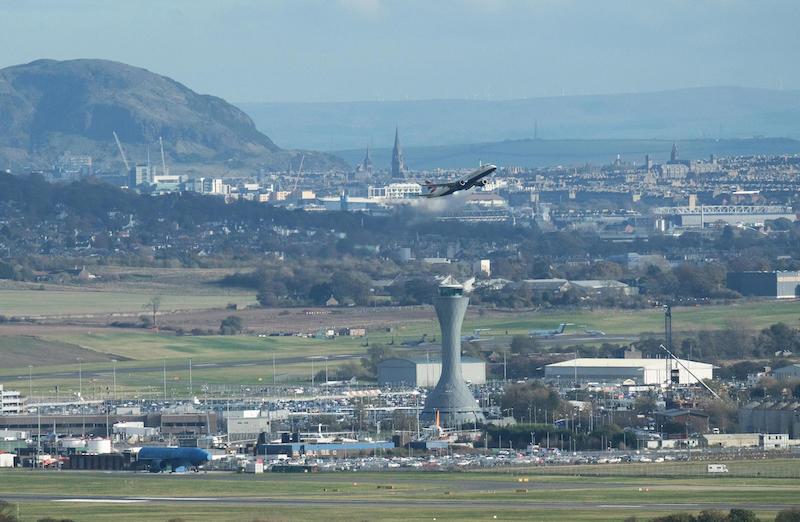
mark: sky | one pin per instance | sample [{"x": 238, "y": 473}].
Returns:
[{"x": 350, "y": 50}]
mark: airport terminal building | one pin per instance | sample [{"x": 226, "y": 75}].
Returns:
[{"x": 646, "y": 372}]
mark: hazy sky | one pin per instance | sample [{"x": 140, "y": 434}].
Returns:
[{"x": 313, "y": 50}]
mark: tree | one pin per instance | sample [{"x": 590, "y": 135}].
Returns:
[
  {"x": 520, "y": 397},
  {"x": 375, "y": 354},
  {"x": 523, "y": 344},
  {"x": 231, "y": 325},
  {"x": 351, "y": 285},
  {"x": 6, "y": 514},
  {"x": 676, "y": 517},
  {"x": 153, "y": 306},
  {"x": 712, "y": 515},
  {"x": 742, "y": 515},
  {"x": 788, "y": 515},
  {"x": 271, "y": 292}
]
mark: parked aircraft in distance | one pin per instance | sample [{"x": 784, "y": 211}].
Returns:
[
  {"x": 595, "y": 333},
  {"x": 476, "y": 178},
  {"x": 476, "y": 336},
  {"x": 416, "y": 342},
  {"x": 549, "y": 333}
]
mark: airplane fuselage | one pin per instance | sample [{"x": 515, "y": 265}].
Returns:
[{"x": 437, "y": 190}]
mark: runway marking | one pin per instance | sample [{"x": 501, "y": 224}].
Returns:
[
  {"x": 623, "y": 506},
  {"x": 245, "y": 364},
  {"x": 204, "y": 365},
  {"x": 176, "y": 499},
  {"x": 101, "y": 500}
]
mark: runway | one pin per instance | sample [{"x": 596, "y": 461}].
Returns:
[{"x": 388, "y": 503}]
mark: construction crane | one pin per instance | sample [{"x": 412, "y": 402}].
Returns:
[
  {"x": 163, "y": 159},
  {"x": 299, "y": 172},
  {"x": 121, "y": 151}
]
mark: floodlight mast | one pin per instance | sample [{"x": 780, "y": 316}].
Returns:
[{"x": 690, "y": 372}]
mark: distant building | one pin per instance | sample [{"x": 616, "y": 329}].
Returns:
[
  {"x": 771, "y": 416},
  {"x": 482, "y": 267},
  {"x": 604, "y": 287},
  {"x": 787, "y": 373},
  {"x": 701, "y": 215},
  {"x": 398, "y": 166},
  {"x": 366, "y": 165},
  {"x": 421, "y": 372},
  {"x": 635, "y": 261},
  {"x": 729, "y": 440},
  {"x": 780, "y": 285},
  {"x": 555, "y": 286},
  {"x": 633, "y": 371},
  {"x": 74, "y": 167},
  {"x": 394, "y": 191},
  {"x": 352, "y": 332},
  {"x": 140, "y": 175},
  {"x": 10, "y": 402}
]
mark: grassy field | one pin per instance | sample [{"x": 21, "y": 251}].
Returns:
[
  {"x": 216, "y": 359},
  {"x": 384, "y": 496},
  {"x": 82, "y": 302},
  {"x": 51, "y": 349},
  {"x": 771, "y": 468}
]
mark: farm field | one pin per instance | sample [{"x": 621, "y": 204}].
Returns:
[
  {"x": 71, "y": 302},
  {"x": 387, "y": 496}
]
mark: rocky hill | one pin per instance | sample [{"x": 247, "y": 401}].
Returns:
[{"x": 51, "y": 108}]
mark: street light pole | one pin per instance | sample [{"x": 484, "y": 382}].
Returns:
[
  {"x": 30, "y": 381},
  {"x": 114, "y": 379}
]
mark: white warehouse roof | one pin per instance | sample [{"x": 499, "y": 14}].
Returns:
[{"x": 642, "y": 371}]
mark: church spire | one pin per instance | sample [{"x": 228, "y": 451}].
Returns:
[
  {"x": 398, "y": 167},
  {"x": 366, "y": 166}
]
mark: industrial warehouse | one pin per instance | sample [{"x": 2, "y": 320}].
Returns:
[
  {"x": 643, "y": 372},
  {"x": 421, "y": 372}
]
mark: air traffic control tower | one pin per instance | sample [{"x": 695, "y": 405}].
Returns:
[{"x": 451, "y": 398}]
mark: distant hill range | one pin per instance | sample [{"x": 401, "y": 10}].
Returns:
[
  {"x": 49, "y": 109},
  {"x": 542, "y": 153},
  {"x": 698, "y": 113}
]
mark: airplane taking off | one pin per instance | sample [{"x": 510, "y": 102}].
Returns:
[
  {"x": 476, "y": 178},
  {"x": 546, "y": 334}
]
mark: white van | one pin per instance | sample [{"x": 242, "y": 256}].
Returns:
[{"x": 717, "y": 468}]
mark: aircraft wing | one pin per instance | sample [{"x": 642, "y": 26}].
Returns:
[
  {"x": 433, "y": 186},
  {"x": 431, "y": 190}
]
